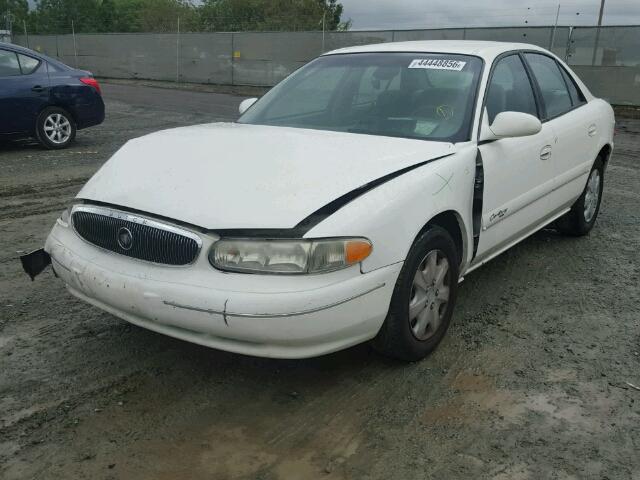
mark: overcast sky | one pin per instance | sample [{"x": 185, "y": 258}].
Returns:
[{"x": 404, "y": 14}]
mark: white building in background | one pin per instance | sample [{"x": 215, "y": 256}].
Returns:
[{"x": 5, "y": 36}]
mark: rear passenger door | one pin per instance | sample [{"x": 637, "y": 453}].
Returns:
[
  {"x": 518, "y": 176},
  {"x": 24, "y": 91},
  {"x": 570, "y": 116}
]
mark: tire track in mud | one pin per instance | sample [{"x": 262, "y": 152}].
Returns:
[
  {"x": 29, "y": 190},
  {"x": 28, "y": 200}
]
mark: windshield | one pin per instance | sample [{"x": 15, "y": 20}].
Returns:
[{"x": 411, "y": 95}]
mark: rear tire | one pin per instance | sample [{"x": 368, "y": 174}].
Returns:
[
  {"x": 580, "y": 219},
  {"x": 55, "y": 128},
  {"x": 423, "y": 299}
]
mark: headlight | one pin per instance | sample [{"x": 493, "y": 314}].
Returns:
[{"x": 288, "y": 256}]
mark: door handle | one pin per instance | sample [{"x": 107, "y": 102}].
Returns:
[
  {"x": 545, "y": 152},
  {"x": 38, "y": 88},
  {"x": 593, "y": 129}
]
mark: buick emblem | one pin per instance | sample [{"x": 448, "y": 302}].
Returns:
[{"x": 125, "y": 239}]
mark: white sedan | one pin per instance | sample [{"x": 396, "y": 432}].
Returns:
[{"x": 344, "y": 206}]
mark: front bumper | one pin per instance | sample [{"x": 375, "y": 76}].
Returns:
[{"x": 262, "y": 315}]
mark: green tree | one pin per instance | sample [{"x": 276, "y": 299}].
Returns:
[
  {"x": 273, "y": 15},
  {"x": 155, "y": 15},
  {"x": 13, "y": 13},
  {"x": 107, "y": 16},
  {"x": 55, "y": 16}
]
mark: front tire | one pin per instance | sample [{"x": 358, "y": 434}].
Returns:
[
  {"x": 423, "y": 299},
  {"x": 580, "y": 219},
  {"x": 55, "y": 128}
]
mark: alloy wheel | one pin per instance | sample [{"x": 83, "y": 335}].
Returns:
[
  {"x": 57, "y": 128},
  {"x": 429, "y": 295},
  {"x": 592, "y": 195}
]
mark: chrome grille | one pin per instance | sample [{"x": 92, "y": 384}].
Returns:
[{"x": 149, "y": 240}]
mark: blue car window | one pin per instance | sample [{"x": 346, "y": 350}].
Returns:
[
  {"x": 28, "y": 64},
  {"x": 9, "y": 65}
]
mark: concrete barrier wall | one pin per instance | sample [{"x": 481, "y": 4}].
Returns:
[
  {"x": 265, "y": 58},
  {"x": 618, "y": 85}
]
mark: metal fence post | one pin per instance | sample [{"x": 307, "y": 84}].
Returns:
[
  {"x": 597, "y": 42},
  {"x": 75, "y": 49},
  {"x": 567, "y": 52},
  {"x": 596, "y": 45},
  {"x": 324, "y": 14},
  {"x": 178, "y": 53},
  {"x": 233, "y": 58},
  {"x": 26, "y": 35},
  {"x": 555, "y": 26}
]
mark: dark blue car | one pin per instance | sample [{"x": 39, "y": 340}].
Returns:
[{"x": 43, "y": 98}]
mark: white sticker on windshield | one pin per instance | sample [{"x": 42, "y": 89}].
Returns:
[{"x": 437, "y": 64}]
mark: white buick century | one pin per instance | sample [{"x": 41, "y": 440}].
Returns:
[{"x": 345, "y": 205}]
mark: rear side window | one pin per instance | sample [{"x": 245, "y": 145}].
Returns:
[
  {"x": 28, "y": 64},
  {"x": 9, "y": 65},
  {"x": 553, "y": 88},
  {"x": 53, "y": 67},
  {"x": 510, "y": 89},
  {"x": 576, "y": 95}
]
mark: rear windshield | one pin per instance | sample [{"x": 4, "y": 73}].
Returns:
[{"x": 411, "y": 95}]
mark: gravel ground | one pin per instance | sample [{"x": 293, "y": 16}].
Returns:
[{"x": 530, "y": 383}]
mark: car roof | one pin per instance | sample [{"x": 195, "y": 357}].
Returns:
[
  {"x": 484, "y": 49},
  {"x": 18, "y": 48}
]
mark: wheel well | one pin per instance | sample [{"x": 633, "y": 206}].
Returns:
[
  {"x": 450, "y": 221},
  {"x": 605, "y": 153},
  {"x": 62, "y": 107}
]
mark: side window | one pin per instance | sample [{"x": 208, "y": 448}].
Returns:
[
  {"x": 552, "y": 86},
  {"x": 510, "y": 89},
  {"x": 28, "y": 64},
  {"x": 52, "y": 67},
  {"x": 576, "y": 95},
  {"x": 9, "y": 65}
]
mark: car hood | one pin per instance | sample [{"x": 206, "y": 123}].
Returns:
[{"x": 229, "y": 175}]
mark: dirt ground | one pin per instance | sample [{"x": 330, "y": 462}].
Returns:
[{"x": 530, "y": 383}]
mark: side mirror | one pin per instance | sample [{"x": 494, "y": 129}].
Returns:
[
  {"x": 245, "y": 104},
  {"x": 509, "y": 125}
]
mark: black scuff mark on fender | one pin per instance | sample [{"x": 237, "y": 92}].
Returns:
[
  {"x": 478, "y": 192},
  {"x": 332, "y": 207}
]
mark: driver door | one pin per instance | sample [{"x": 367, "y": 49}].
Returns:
[{"x": 518, "y": 176}]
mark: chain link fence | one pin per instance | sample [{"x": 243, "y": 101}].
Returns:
[{"x": 606, "y": 58}]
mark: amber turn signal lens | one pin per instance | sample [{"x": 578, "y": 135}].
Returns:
[{"x": 356, "y": 251}]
